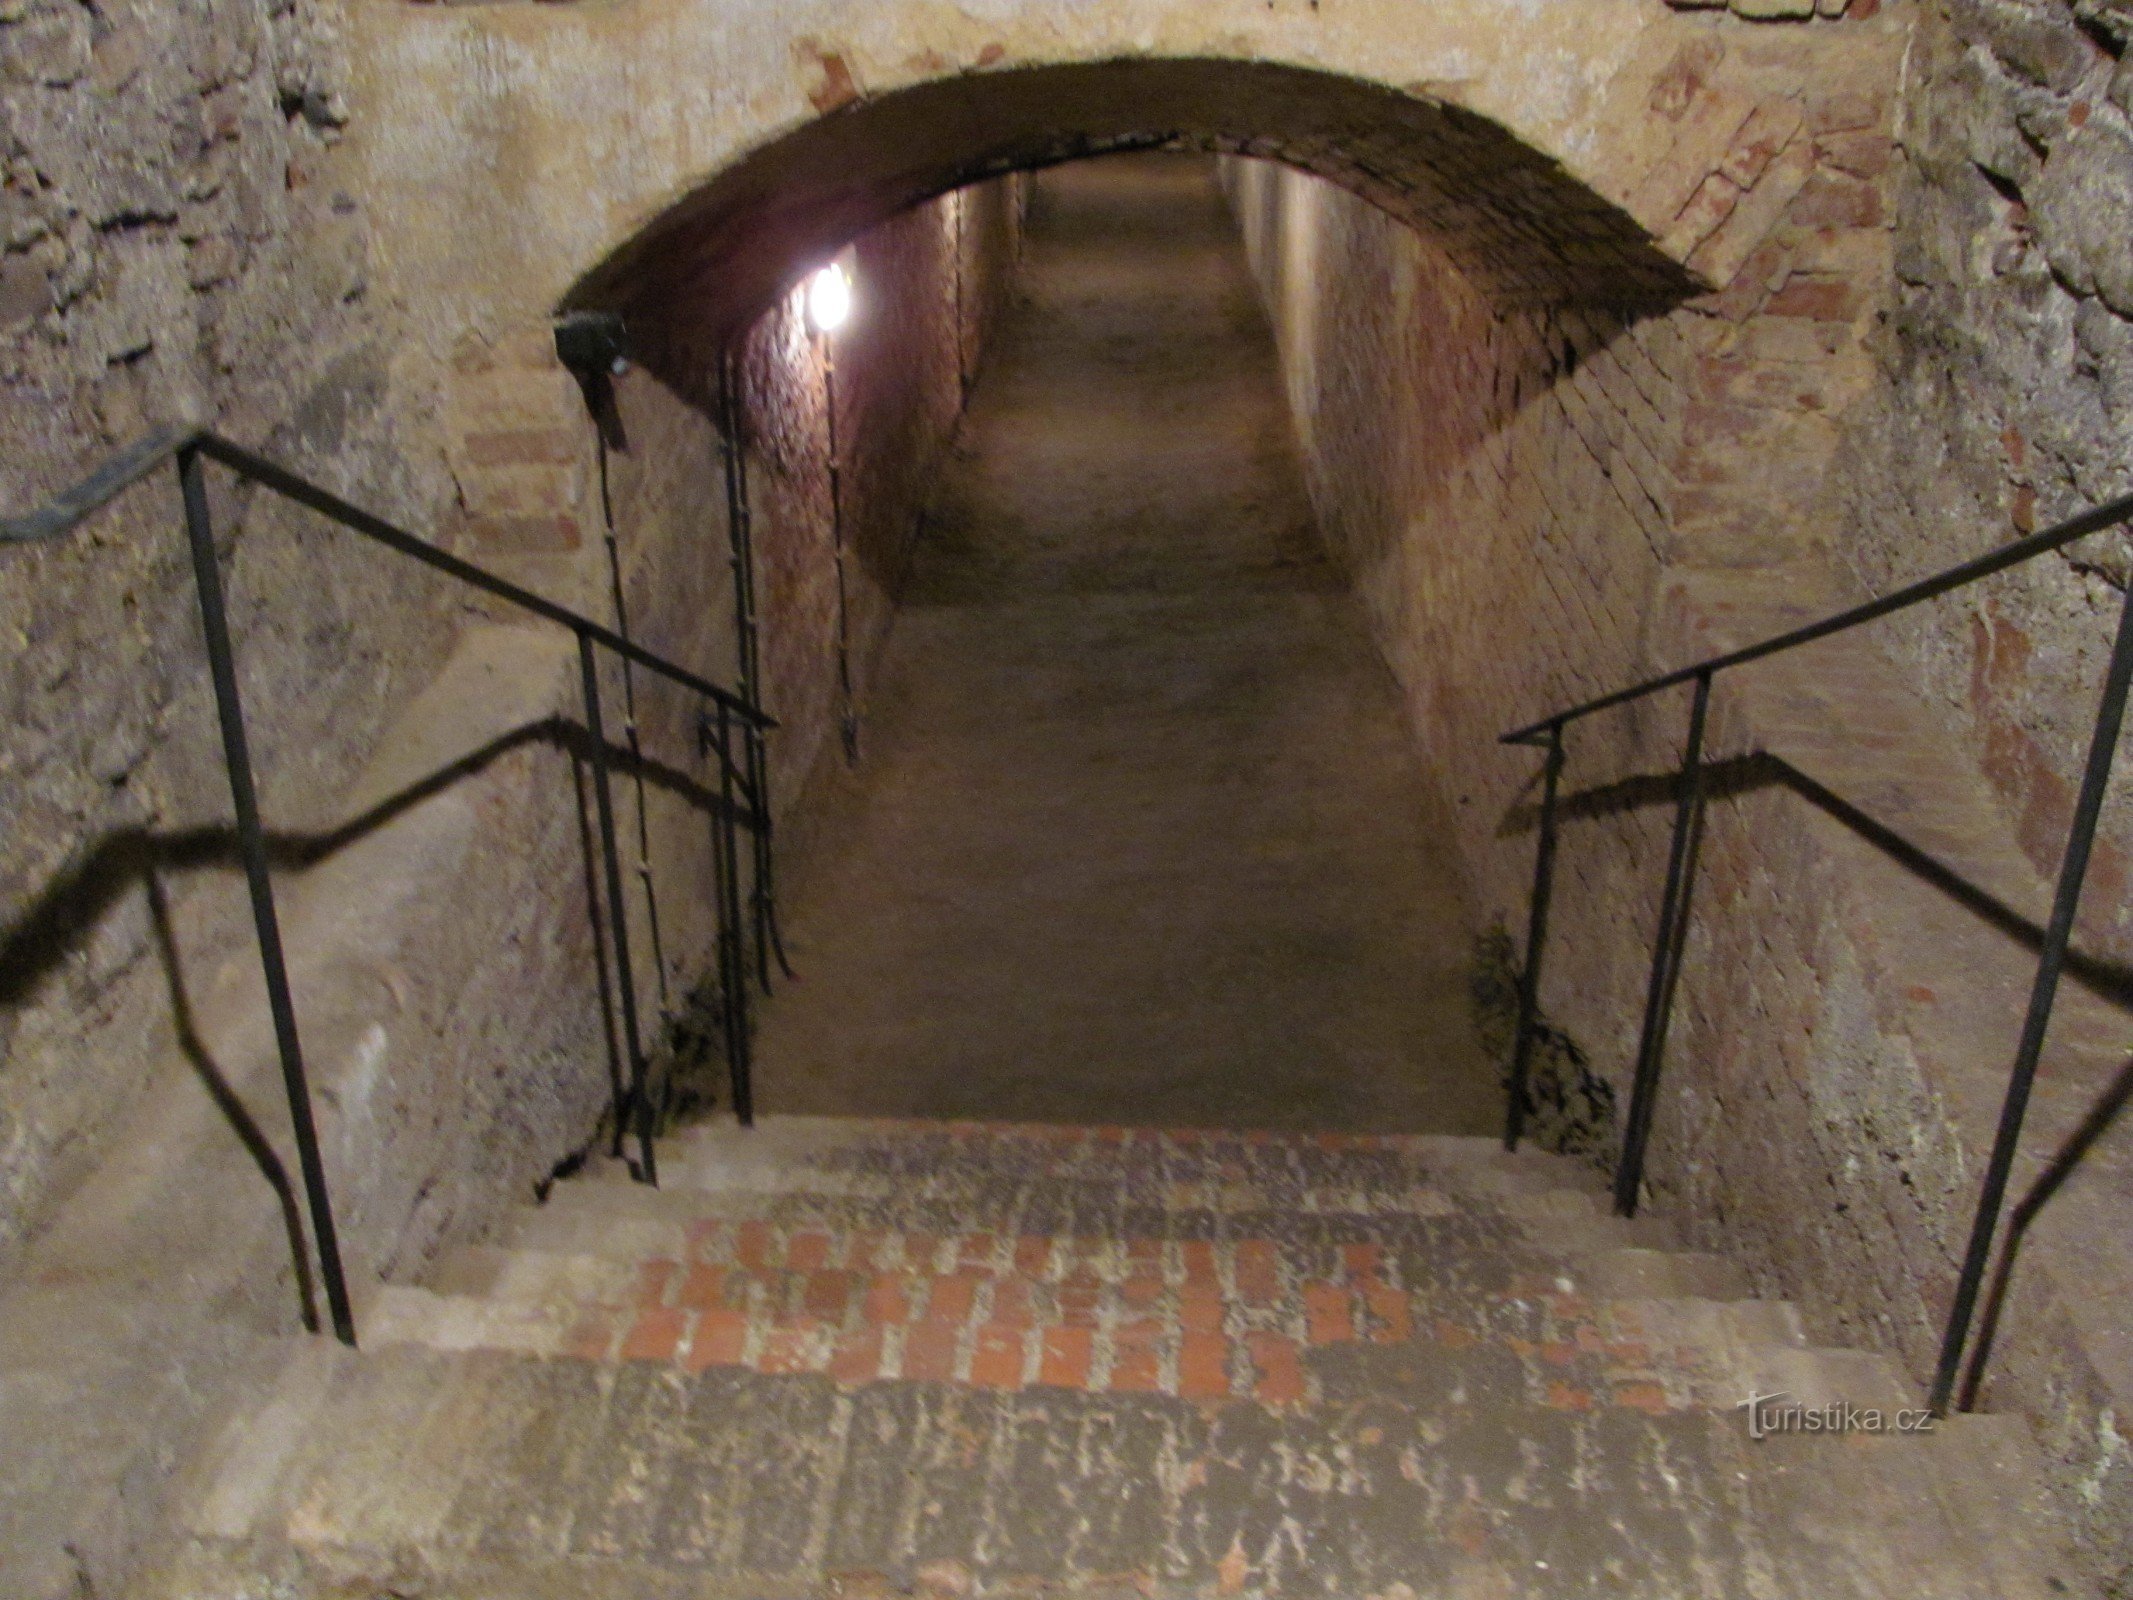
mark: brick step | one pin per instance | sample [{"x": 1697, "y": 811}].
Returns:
[
  {"x": 1204, "y": 1325},
  {"x": 1454, "y": 1471}
]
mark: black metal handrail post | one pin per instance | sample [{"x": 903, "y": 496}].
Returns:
[
  {"x": 1666, "y": 955},
  {"x": 641, "y": 1110},
  {"x": 189, "y": 449},
  {"x": 252, "y": 846},
  {"x": 734, "y": 974},
  {"x": 2051, "y": 961},
  {"x": 1536, "y": 941}
]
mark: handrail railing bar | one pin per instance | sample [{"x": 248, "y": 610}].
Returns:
[
  {"x": 617, "y": 912},
  {"x": 1536, "y": 942},
  {"x": 69, "y": 509},
  {"x": 1666, "y": 955},
  {"x": 733, "y": 977},
  {"x": 356, "y": 519},
  {"x": 2066, "y": 900},
  {"x": 188, "y": 449},
  {"x": 2079, "y": 526},
  {"x": 259, "y": 882}
]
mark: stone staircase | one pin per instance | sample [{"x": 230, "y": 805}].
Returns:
[{"x": 866, "y": 1358}]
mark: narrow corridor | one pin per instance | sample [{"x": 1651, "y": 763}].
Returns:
[{"x": 1138, "y": 834}]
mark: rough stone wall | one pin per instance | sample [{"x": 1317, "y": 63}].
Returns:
[
  {"x": 179, "y": 240},
  {"x": 2002, "y": 404},
  {"x": 183, "y": 240}
]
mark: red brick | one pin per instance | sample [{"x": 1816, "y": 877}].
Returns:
[
  {"x": 1203, "y": 1366},
  {"x": 1257, "y": 1281},
  {"x": 1641, "y": 1397},
  {"x": 1568, "y": 1397},
  {"x": 788, "y": 1349},
  {"x": 1079, "y": 1306},
  {"x": 753, "y": 1244},
  {"x": 1200, "y": 1308},
  {"x": 856, "y": 1357},
  {"x": 1033, "y": 1256},
  {"x": 808, "y": 1252},
  {"x": 921, "y": 1252},
  {"x": 930, "y": 1351},
  {"x": 1141, "y": 1291},
  {"x": 520, "y": 447},
  {"x": 1362, "y": 1259},
  {"x": 655, "y": 1335},
  {"x": 996, "y": 1357},
  {"x": 1136, "y": 1363},
  {"x": 703, "y": 1288},
  {"x": 523, "y": 535},
  {"x": 721, "y": 1339},
  {"x": 1862, "y": 153},
  {"x": 953, "y": 1295},
  {"x": 653, "y": 1279},
  {"x": 1328, "y": 1313},
  {"x": 1824, "y": 299},
  {"x": 1831, "y": 200},
  {"x": 1067, "y": 1357},
  {"x": 979, "y": 1251},
  {"x": 1011, "y": 1304},
  {"x": 888, "y": 1299},
  {"x": 828, "y": 1294},
  {"x": 1198, "y": 1256},
  {"x": 1280, "y": 1375},
  {"x": 1389, "y": 1315}
]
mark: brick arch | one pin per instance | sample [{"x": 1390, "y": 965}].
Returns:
[
  {"x": 1525, "y": 229},
  {"x": 537, "y": 155}
]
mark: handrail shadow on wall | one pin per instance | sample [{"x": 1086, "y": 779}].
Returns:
[
  {"x": 1690, "y": 789},
  {"x": 723, "y": 717}
]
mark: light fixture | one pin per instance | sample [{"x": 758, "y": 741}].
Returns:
[{"x": 829, "y": 298}]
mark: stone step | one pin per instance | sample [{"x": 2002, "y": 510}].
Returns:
[
  {"x": 1628, "y": 1272},
  {"x": 832, "y": 1155},
  {"x": 603, "y": 1217},
  {"x": 416, "y": 1472}
]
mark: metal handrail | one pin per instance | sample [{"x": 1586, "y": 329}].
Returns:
[
  {"x": 189, "y": 449},
  {"x": 1547, "y": 734},
  {"x": 2060, "y": 534}
]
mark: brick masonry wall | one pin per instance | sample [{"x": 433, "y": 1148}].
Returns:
[
  {"x": 926, "y": 285},
  {"x": 1539, "y": 504}
]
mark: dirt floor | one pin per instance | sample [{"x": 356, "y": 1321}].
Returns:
[{"x": 1138, "y": 834}]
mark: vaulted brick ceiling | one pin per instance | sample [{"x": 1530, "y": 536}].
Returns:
[{"x": 1512, "y": 217}]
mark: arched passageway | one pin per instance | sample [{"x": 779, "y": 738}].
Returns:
[{"x": 1138, "y": 835}]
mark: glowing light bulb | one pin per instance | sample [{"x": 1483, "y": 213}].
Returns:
[{"x": 829, "y": 298}]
